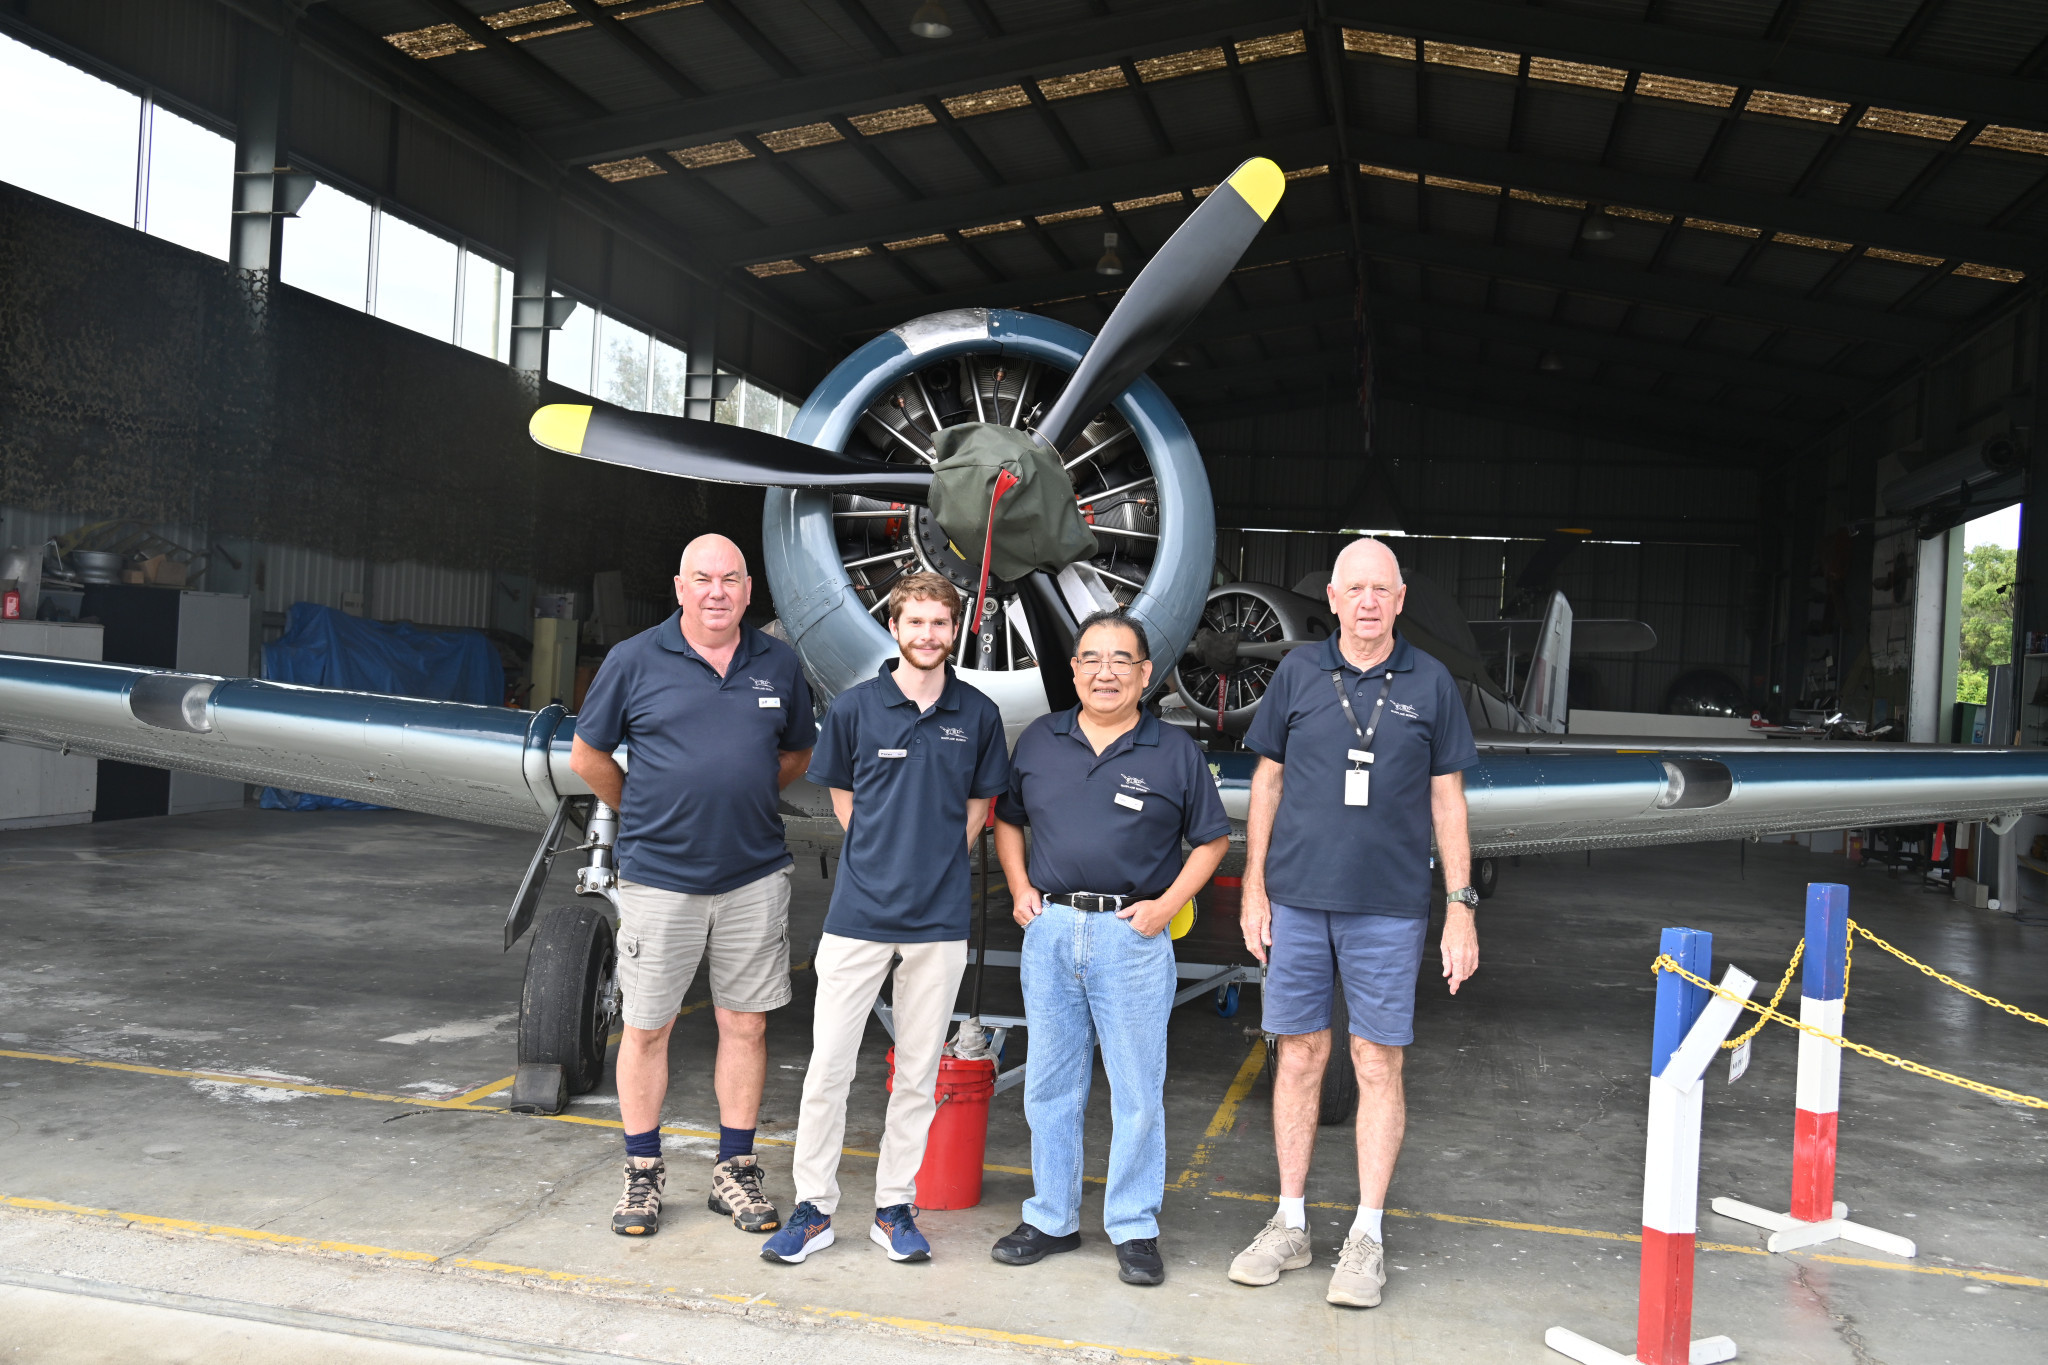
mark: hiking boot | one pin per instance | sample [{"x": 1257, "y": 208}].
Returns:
[
  {"x": 807, "y": 1233},
  {"x": 1361, "y": 1273},
  {"x": 1276, "y": 1248},
  {"x": 736, "y": 1190},
  {"x": 1138, "y": 1261},
  {"x": 895, "y": 1231},
  {"x": 1028, "y": 1246},
  {"x": 639, "y": 1209}
]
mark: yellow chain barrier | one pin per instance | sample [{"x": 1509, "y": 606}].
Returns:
[
  {"x": 1912, "y": 961},
  {"x": 1665, "y": 962},
  {"x": 1776, "y": 996}
]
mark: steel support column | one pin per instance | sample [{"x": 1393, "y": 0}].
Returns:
[
  {"x": 700, "y": 344},
  {"x": 263, "y": 79},
  {"x": 2030, "y": 573},
  {"x": 530, "y": 284}
]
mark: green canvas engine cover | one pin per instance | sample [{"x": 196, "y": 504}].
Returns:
[{"x": 1038, "y": 525}]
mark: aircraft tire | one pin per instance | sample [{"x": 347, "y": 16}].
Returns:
[
  {"x": 1340, "y": 1078},
  {"x": 564, "y": 1018},
  {"x": 1485, "y": 877}
]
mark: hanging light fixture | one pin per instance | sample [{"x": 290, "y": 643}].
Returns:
[
  {"x": 1598, "y": 227},
  {"x": 931, "y": 21},
  {"x": 1551, "y": 363},
  {"x": 1111, "y": 263}
]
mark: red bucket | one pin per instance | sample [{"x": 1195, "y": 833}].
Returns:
[{"x": 950, "y": 1177}]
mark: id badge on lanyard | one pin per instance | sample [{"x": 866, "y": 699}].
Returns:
[{"x": 1358, "y": 777}]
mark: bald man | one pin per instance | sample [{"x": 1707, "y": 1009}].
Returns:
[
  {"x": 1361, "y": 742},
  {"x": 717, "y": 719}
]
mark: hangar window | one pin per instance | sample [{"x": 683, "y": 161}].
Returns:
[
  {"x": 666, "y": 377},
  {"x": 571, "y": 350},
  {"x": 625, "y": 357},
  {"x": 413, "y": 277},
  {"x": 484, "y": 291},
  {"x": 191, "y": 179},
  {"x": 82, "y": 148},
  {"x": 327, "y": 247},
  {"x": 755, "y": 407}
]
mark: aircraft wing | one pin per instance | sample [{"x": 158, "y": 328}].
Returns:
[
  {"x": 1533, "y": 794},
  {"x": 484, "y": 763},
  {"x": 1527, "y": 794}
]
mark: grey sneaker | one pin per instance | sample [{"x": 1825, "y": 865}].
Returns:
[
  {"x": 1360, "y": 1275},
  {"x": 736, "y": 1190},
  {"x": 639, "y": 1209},
  {"x": 1276, "y": 1248}
]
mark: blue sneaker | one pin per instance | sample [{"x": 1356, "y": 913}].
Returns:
[
  {"x": 806, "y": 1233},
  {"x": 895, "y": 1231}
]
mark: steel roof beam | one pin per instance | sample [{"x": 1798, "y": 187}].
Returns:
[
  {"x": 1669, "y": 194},
  {"x": 951, "y": 69},
  {"x": 1539, "y": 334},
  {"x": 1598, "y": 279},
  {"x": 1598, "y": 401},
  {"x": 1775, "y": 65}
]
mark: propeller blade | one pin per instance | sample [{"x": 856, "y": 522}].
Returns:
[
  {"x": 1053, "y": 629},
  {"x": 1175, "y": 285},
  {"x": 716, "y": 452}
]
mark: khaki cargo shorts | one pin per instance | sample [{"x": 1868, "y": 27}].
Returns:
[{"x": 664, "y": 934}]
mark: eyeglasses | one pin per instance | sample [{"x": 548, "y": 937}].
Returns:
[{"x": 1118, "y": 668}]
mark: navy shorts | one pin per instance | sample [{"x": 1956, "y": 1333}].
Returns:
[{"x": 1377, "y": 956}]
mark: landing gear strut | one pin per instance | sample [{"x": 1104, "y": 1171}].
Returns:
[{"x": 570, "y": 1001}]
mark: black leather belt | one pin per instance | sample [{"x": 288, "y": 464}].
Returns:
[{"x": 1089, "y": 903}]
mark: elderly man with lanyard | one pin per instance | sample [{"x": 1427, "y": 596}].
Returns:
[
  {"x": 1361, "y": 742},
  {"x": 1110, "y": 794},
  {"x": 717, "y": 718}
]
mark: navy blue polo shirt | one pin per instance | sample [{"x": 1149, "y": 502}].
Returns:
[
  {"x": 1326, "y": 855},
  {"x": 700, "y": 807},
  {"x": 1113, "y": 822},
  {"x": 903, "y": 873}
]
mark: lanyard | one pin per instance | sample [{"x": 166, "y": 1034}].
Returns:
[{"x": 1378, "y": 709}]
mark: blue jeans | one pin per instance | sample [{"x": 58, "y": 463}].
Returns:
[{"x": 1092, "y": 978}]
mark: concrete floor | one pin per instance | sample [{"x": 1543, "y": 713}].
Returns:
[{"x": 233, "y": 1051}]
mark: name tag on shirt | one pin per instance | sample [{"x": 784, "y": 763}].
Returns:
[
  {"x": 774, "y": 703},
  {"x": 1131, "y": 802},
  {"x": 892, "y": 753},
  {"x": 1359, "y": 755},
  {"x": 1357, "y": 782}
]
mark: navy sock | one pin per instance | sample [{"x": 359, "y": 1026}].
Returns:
[
  {"x": 644, "y": 1144},
  {"x": 734, "y": 1142}
]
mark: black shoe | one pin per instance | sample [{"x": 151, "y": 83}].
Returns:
[
  {"x": 1137, "y": 1261},
  {"x": 1028, "y": 1246}
]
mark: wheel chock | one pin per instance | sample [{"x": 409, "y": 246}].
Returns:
[{"x": 539, "y": 1088}]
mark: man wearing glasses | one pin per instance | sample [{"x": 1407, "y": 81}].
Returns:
[{"x": 1110, "y": 793}]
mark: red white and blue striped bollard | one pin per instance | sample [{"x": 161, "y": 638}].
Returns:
[
  {"x": 1816, "y": 1216},
  {"x": 1691, "y": 1024}
]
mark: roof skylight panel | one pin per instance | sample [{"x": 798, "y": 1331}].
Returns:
[
  {"x": 892, "y": 120},
  {"x": 986, "y": 101},
  {"x": 711, "y": 154},
  {"x": 795, "y": 139},
  {"x": 632, "y": 168},
  {"x": 1795, "y": 106}
]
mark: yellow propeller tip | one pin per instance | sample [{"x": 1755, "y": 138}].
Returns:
[
  {"x": 560, "y": 426},
  {"x": 1259, "y": 183}
]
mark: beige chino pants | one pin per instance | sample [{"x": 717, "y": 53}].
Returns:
[{"x": 850, "y": 973}]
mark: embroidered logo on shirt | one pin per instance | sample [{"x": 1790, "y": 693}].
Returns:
[
  {"x": 1134, "y": 784},
  {"x": 761, "y": 684},
  {"x": 958, "y": 736},
  {"x": 1403, "y": 710}
]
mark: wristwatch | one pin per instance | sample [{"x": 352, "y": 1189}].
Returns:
[{"x": 1464, "y": 895}]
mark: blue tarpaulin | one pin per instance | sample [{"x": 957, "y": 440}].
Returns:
[{"x": 322, "y": 647}]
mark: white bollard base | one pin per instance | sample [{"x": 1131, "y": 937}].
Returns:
[
  {"x": 1705, "y": 1351},
  {"x": 1789, "y": 1234}
]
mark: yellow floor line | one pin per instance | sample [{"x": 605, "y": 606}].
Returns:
[
  {"x": 1994, "y": 1276},
  {"x": 484, "y": 1091},
  {"x": 153, "y": 1222},
  {"x": 1225, "y": 1117}
]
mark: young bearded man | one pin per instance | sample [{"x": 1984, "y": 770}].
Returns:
[
  {"x": 912, "y": 758},
  {"x": 717, "y": 718},
  {"x": 1361, "y": 741},
  {"x": 1110, "y": 794}
]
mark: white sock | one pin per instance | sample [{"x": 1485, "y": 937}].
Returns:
[
  {"x": 1368, "y": 1222},
  {"x": 1294, "y": 1212}
]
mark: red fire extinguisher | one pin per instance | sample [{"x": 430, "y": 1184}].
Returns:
[{"x": 10, "y": 605}]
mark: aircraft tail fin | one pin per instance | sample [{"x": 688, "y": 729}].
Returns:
[{"x": 1546, "y": 690}]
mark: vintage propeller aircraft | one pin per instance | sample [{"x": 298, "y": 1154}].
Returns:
[{"x": 855, "y": 499}]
